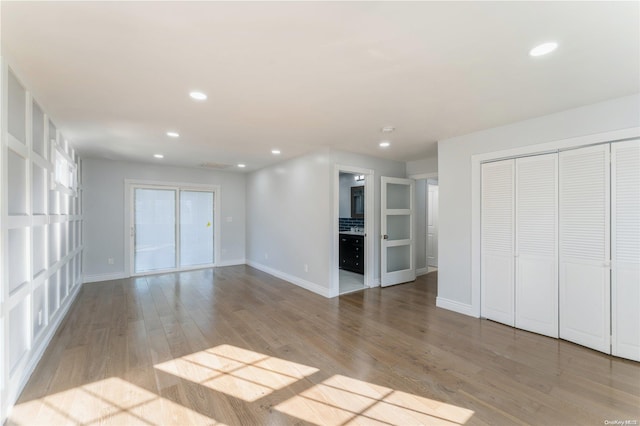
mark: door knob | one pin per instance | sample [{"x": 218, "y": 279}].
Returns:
[{"x": 385, "y": 236}]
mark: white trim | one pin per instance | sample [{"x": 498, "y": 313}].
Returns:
[
  {"x": 104, "y": 277},
  {"x": 478, "y": 159},
  {"x": 422, "y": 271},
  {"x": 452, "y": 305},
  {"x": 369, "y": 218},
  {"x": 231, "y": 262},
  {"x": 38, "y": 350},
  {"x": 308, "y": 285},
  {"x": 423, "y": 176}
]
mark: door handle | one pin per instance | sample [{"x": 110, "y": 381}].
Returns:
[{"x": 385, "y": 236}]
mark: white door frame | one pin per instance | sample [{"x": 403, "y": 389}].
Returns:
[
  {"x": 179, "y": 186},
  {"x": 368, "y": 226}
]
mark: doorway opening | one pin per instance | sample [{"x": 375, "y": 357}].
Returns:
[
  {"x": 432, "y": 224},
  {"x": 353, "y": 221}
]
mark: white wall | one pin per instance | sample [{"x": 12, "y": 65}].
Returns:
[
  {"x": 104, "y": 211},
  {"x": 424, "y": 165},
  {"x": 290, "y": 215},
  {"x": 40, "y": 244},
  {"x": 454, "y": 174}
]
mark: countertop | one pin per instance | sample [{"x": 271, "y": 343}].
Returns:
[{"x": 361, "y": 233}]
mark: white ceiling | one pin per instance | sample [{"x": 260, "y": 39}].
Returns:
[{"x": 115, "y": 76}]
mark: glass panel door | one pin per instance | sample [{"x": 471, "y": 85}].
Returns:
[
  {"x": 154, "y": 229},
  {"x": 397, "y": 248},
  {"x": 196, "y": 228}
]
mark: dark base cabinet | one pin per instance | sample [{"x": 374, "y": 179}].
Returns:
[{"x": 352, "y": 253}]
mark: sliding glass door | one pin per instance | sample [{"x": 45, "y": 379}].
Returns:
[
  {"x": 155, "y": 229},
  {"x": 173, "y": 228},
  {"x": 196, "y": 228}
]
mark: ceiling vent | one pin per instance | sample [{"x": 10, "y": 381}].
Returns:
[{"x": 216, "y": 166}]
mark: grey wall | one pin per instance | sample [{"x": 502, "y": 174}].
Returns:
[
  {"x": 424, "y": 165},
  {"x": 104, "y": 205},
  {"x": 290, "y": 214},
  {"x": 421, "y": 223},
  {"x": 289, "y": 218},
  {"x": 454, "y": 174}
]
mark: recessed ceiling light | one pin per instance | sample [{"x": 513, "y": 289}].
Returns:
[
  {"x": 198, "y": 96},
  {"x": 173, "y": 134},
  {"x": 275, "y": 151},
  {"x": 384, "y": 144},
  {"x": 543, "y": 48},
  {"x": 158, "y": 155},
  {"x": 388, "y": 129},
  {"x": 242, "y": 166}
]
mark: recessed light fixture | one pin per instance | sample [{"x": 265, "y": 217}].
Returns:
[
  {"x": 173, "y": 134},
  {"x": 388, "y": 129},
  {"x": 242, "y": 166},
  {"x": 198, "y": 96},
  {"x": 158, "y": 155},
  {"x": 543, "y": 49},
  {"x": 384, "y": 144},
  {"x": 275, "y": 151}
]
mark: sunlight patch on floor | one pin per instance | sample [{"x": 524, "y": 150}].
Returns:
[
  {"x": 238, "y": 372},
  {"x": 343, "y": 400},
  {"x": 111, "y": 401}
]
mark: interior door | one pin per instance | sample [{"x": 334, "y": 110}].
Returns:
[
  {"x": 154, "y": 229},
  {"x": 497, "y": 242},
  {"x": 625, "y": 247},
  {"x": 398, "y": 245},
  {"x": 536, "y": 257},
  {"x": 584, "y": 246},
  {"x": 432, "y": 224}
]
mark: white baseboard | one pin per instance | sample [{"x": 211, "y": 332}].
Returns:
[
  {"x": 318, "y": 289},
  {"x": 42, "y": 343},
  {"x": 452, "y": 305},
  {"x": 231, "y": 262},
  {"x": 422, "y": 271},
  {"x": 104, "y": 277}
]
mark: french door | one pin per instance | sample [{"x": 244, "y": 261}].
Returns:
[{"x": 172, "y": 228}]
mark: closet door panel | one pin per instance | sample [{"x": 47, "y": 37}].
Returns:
[
  {"x": 625, "y": 247},
  {"x": 584, "y": 247},
  {"x": 497, "y": 268},
  {"x": 536, "y": 244}
]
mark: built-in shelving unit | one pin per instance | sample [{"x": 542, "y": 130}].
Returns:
[{"x": 41, "y": 222}]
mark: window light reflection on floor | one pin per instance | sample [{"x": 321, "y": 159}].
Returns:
[
  {"x": 347, "y": 400},
  {"x": 238, "y": 372},
  {"x": 109, "y": 401}
]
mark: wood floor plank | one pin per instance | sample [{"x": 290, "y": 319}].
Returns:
[{"x": 237, "y": 346}]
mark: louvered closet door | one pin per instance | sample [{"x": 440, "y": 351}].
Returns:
[
  {"x": 625, "y": 247},
  {"x": 584, "y": 247},
  {"x": 536, "y": 244},
  {"x": 497, "y": 280}
]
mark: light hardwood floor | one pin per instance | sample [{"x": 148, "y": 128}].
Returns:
[{"x": 234, "y": 345}]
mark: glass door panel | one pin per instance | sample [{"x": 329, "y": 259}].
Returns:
[
  {"x": 196, "y": 228},
  {"x": 397, "y": 248},
  {"x": 155, "y": 229}
]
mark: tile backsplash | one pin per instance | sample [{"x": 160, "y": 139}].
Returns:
[{"x": 346, "y": 223}]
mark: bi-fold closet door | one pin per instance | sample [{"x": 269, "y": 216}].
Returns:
[
  {"x": 519, "y": 243},
  {"x": 560, "y": 252},
  {"x": 585, "y": 257}
]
